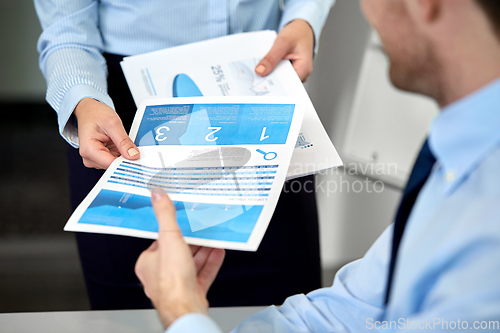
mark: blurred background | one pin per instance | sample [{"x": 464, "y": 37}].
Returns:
[{"x": 39, "y": 265}]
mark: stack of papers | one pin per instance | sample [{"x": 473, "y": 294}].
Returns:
[{"x": 222, "y": 159}]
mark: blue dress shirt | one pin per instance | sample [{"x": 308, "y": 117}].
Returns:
[
  {"x": 77, "y": 32},
  {"x": 447, "y": 276}
]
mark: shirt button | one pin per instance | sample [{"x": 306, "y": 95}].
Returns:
[{"x": 450, "y": 176}]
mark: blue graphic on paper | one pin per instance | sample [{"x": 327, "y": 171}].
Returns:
[
  {"x": 268, "y": 156},
  {"x": 208, "y": 221},
  {"x": 249, "y": 82},
  {"x": 215, "y": 124},
  {"x": 183, "y": 86}
]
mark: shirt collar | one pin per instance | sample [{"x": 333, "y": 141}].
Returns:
[{"x": 463, "y": 133}]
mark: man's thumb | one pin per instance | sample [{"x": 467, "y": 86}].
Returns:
[{"x": 165, "y": 215}]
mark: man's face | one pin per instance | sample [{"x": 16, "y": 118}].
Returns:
[{"x": 410, "y": 53}]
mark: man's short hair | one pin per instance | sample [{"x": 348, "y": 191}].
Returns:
[{"x": 492, "y": 9}]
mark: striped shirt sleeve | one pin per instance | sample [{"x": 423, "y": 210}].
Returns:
[{"x": 71, "y": 58}]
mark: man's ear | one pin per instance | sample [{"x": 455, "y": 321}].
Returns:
[{"x": 428, "y": 10}]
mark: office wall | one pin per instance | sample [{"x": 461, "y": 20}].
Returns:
[
  {"x": 353, "y": 209},
  {"x": 350, "y": 221}
]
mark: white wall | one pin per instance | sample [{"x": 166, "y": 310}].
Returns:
[{"x": 349, "y": 221}]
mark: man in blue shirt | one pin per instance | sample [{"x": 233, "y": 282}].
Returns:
[
  {"x": 438, "y": 267},
  {"x": 82, "y": 44}
]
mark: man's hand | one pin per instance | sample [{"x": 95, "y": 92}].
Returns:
[
  {"x": 295, "y": 42},
  {"x": 175, "y": 276},
  {"x": 101, "y": 135}
]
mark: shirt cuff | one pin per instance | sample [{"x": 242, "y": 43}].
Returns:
[
  {"x": 67, "y": 121},
  {"x": 310, "y": 12},
  {"x": 195, "y": 323}
]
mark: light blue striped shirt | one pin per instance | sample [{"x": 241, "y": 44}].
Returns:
[
  {"x": 447, "y": 277},
  {"x": 77, "y": 32}
]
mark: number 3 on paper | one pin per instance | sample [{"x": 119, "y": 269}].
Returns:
[{"x": 160, "y": 136}]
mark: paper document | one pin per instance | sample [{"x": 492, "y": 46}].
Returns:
[
  {"x": 222, "y": 160},
  {"x": 225, "y": 67}
]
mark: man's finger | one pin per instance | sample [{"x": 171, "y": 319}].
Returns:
[
  {"x": 194, "y": 249},
  {"x": 280, "y": 49},
  {"x": 200, "y": 257},
  {"x": 153, "y": 247},
  {"x": 144, "y": 268},
  {"x": 208, "y": 272},
  {"x": 122, "y": 141}
]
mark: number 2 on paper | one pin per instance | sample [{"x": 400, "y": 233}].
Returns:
[{"x": 215, "y": 130}]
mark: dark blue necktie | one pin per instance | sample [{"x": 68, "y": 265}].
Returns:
[{"x": 420, "y": 173}]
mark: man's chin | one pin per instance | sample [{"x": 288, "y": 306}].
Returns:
[
  {"x": 399, "y": 79},
  {"x": 406, "y": 80}
]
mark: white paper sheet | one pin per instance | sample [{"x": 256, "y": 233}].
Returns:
[
  {"x": 223, "y": 161},
  {"x": 225, "y": 67}
]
